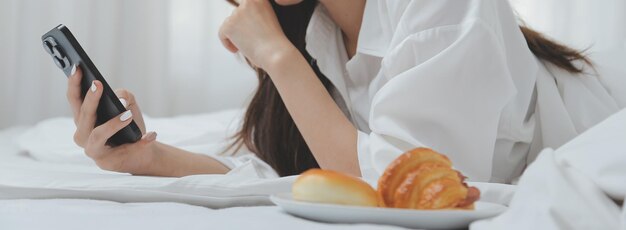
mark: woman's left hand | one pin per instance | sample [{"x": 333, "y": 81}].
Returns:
[{"x": 253, "y": 30}]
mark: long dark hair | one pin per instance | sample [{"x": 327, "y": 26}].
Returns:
[{"x": 268, "y": 129}]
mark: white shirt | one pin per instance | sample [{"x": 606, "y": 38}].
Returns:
[{"x": 455, "y": 76}]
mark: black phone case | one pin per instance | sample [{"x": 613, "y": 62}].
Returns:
[{"x": 66, "y": 52}]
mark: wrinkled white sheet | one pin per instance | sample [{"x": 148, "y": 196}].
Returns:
[
  {"x": 43, "y": 162},
  {"x": 578, "y": 186},
  {"x": 52, "y": 166},
  {"x": 95, "y": 215},
  {"x": 45, "y": 177},
  {"x": 52, "y": 185},
  {"x": 51, "y": 140},
  {"x": 573, "y": 187}
]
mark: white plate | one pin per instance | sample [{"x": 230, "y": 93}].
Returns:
[{"x": 436, "y": 219}]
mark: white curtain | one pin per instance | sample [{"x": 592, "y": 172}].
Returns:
[
  {"x": 596, "y": 24},
  {"x": 165, "y": 51}
]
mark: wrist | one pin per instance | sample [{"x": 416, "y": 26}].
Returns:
[
  {"x": 157, "y": 162},
  {"x": 170, "y": 161},
  {"x": 280, "y": 56}
]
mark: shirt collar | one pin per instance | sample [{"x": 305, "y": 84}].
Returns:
[
  {"x": 324, "y": 42},
  {"x": 374, "y": 37}
]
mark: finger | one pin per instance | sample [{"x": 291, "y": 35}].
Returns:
[
  {"x": 148, "y": 138},
  {"x": 130, "y": 103},
  {"x": 73, "y": 90},
  {"x": 287, "y": 2},
  {"x": 233, "y": 2},
  {"x": 126, "y": 98},
  {"x": 224, "y": 39},
  {"x": 115, "y": 159},
  {"x": 102, "y": 133},
  {"x": 87, "y": 115},
  {"x": 228, "y": 44}
]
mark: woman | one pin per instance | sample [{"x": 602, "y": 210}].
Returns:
[{"x": 350, "y": 85}]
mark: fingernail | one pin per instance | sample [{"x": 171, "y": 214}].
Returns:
[
  {"x": 151, "y": 136},
  {"x": 93, "y": 87},
  {"x": 126, "y": 115},
  {"x": 124, "y": 103},
  {"x": 73, "y": 70}
]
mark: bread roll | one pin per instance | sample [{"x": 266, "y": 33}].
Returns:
[{"x": 324, "y": 186}]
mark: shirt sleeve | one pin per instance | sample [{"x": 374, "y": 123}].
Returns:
[
  {"x": 443, "y": 88},
  {"x": 248, "y": 165}
]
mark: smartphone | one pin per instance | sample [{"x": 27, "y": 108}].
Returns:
[{"x": 66, "y": 52}]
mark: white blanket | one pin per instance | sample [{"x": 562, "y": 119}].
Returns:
[{"x": 579, "y": 186}]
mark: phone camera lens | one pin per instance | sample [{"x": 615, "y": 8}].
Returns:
[
  {"x": 58, "y": 52},
  {"x": 48, "y": 47},
  {"x": 48, "y": 44},
  {"x": 61, "y": 63}
]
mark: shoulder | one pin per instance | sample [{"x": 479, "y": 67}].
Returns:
[
  {"x": 387, "y": 23},
  {"x": 419, "y": 15}
]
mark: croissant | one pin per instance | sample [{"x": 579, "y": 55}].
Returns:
[{"x": 424, "y": 179}]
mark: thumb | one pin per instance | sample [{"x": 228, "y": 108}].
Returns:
[
  {"x": 149, "y": 137},
  {"x": 226, "y": 42}
]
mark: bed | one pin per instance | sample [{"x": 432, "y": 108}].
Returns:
[{"x": 47, "y": 183}]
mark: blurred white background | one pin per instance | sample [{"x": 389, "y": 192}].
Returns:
[
  {"x": 168, "y": 54},
  {"x": 599, "y": 24}
]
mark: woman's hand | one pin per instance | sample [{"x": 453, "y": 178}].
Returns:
[
  {"x": 253, "y": 30},
  {"x": 135, "y": 158}
]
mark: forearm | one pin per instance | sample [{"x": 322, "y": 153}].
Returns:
[
  {"x": 327, "y": 131},
  {"x": 174, "y": 162}
]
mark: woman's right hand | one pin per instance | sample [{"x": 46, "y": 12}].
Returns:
[{"x": 135, "y": 158}]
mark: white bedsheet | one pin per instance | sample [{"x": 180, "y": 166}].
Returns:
[
  {"x": 94, "y": 215},
  {"x": 46, "y": 182},
  {"x": 60, "y": 188},
  {"x": 42, "y": 162},
  {"x": 572, "y": 187}
]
